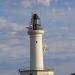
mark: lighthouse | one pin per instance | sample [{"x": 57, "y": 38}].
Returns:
[
  {"x": 35, "y": 32},
  {"x": 36, "y": 51}
]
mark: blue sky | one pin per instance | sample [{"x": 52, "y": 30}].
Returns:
[{"x": 58, "y": 21}]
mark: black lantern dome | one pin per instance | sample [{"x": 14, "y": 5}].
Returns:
[{"x": 36, "y": 22}]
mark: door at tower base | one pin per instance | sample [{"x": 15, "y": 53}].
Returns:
[{"x": 37, "y": 72}]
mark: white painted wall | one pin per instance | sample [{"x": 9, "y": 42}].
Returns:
[{"x": 36, "y": 50}]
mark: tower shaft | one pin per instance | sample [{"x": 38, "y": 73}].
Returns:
[{"x": 36, "y": 49}]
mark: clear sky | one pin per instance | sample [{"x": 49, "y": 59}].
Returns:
[{"x": 58, "y": 21}]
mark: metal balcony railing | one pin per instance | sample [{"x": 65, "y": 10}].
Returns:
[{"x": 28, "y": 68}]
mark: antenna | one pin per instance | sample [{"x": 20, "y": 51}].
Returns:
[{"x": 34, "y": 9}]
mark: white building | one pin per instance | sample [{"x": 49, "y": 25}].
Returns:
[{"x": 35, "y": 32}]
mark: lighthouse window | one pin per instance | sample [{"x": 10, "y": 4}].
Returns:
[{"x": 36, "y": 41}]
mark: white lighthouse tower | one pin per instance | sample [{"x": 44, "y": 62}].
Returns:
[{"x": 35, "y": 32}]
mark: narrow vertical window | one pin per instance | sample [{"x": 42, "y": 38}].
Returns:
[{"x": 36, "y": 41}]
